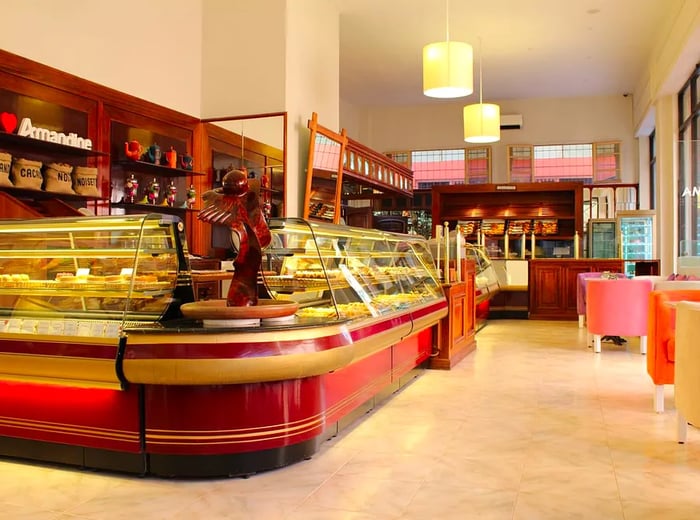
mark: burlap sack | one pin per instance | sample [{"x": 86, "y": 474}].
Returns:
[
  {"x": 85, "y": 181},
  {"x": 57, "y": 178},
  {"x": 5, "y": 165},
  {"x": 27, "y": 174}
]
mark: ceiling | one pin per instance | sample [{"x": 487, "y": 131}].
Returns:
[{"x": 530, "y": 48}]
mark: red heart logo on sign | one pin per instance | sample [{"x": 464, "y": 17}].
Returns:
[{"x": 8, "y": 121}]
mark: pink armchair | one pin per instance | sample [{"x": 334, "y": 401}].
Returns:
[
  {"x": 617, "y": 308},
  {"x": 581, "y": 295}
]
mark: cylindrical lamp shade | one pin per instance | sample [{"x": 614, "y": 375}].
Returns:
[
  {"x": 482, "y": 123},
  {"x": 447, "y": 70}
]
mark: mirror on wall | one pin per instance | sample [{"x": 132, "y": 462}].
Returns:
[
  {"x": 256, "y": 143},
  {"x": 324, "y": 176}
]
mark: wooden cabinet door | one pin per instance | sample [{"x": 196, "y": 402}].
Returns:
[
  {"x": 570, "y": 287},
  {"x": 546, "y": 295},
  {"x": 457, "y": 322}
]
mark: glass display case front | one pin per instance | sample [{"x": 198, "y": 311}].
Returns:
[
  {"x": 91, "y": 276},
  {"x": 342, "y": 272}
]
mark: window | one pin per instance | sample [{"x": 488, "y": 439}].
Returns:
[
  {"x": 520, "y": 163},
  {"x": 652, "y": 170},
  {"x": 432, "y": 167},
  {"x": 689, "y": 170},
  {"x": 478, "y": 165},
  {"x": 439, "y": 167},
  {"x": 563, "y": 162},
  {"x": 587, "y": 162},
  {"x": 403, "y": 158},
  {"x": 607, "y": 162}
]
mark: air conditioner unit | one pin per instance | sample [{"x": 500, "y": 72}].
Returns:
[{"x": 511, "y": 122}]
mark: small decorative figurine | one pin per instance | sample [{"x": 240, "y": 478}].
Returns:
[
  {"x": 153, "y": 191},
  {"x": 191, "y": 196},
  {"x": 131, "y": 188},
  {"x": 172, "y": 192},
  {"x": 133, "y": 150},
  {"x": 236, "y": 206}
]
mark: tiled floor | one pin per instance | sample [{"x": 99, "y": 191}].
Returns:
[{"x": 532, "y": 425}]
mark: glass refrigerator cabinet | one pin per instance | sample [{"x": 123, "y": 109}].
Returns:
[
  {"x": 637, "y": 237},
  {"x": 602, "y": 238}
]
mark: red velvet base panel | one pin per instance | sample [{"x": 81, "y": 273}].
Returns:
[
  {"x": 259, "y": 416},
  {"x": 201, "y": 430},
  {"x": 95, "y": 418}
]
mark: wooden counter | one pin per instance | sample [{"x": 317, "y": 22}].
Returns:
[
  {"x": 194, "y": 402},
  {"x": 552, "y": 284},
  {"x": 456, "y": 332}
]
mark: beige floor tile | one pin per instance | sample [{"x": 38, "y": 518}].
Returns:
[{"x": 532, "y": 425}]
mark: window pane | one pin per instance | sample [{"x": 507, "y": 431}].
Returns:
[
  {"x": 567, "y": 162},
  {"x": 433, "y": 167},
  {"x": 520, "y": 164},
  {"x": 607, "y": 161},
  {"x": 478, "y": 165}
]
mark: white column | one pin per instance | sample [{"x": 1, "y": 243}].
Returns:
[{"x": 666, "y": 122}]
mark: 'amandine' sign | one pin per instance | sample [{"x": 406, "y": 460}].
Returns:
[
  {"x": 8, "y": 121},
  {"x": 693, "y": 192},
  {"x": 44, "y": 134}
]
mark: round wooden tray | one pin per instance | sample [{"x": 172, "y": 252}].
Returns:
[{"x": 218, "y": 310}]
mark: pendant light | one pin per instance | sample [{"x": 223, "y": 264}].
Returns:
[
  {"x": 447, "y": 66},
  {"x": 482, "y": 121}
]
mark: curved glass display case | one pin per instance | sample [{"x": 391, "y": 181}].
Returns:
[
  {"x": 91, "y": 276},
  {"x": 343, "y": 272}
]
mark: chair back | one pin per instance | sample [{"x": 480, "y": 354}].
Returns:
[
  {"x": 687, "y": 366},
  {"x": 581, "y": 290},
  {"x": 617, "y": 307}
]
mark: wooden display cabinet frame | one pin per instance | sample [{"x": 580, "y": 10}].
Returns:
[{"x": 321, "y": 186}]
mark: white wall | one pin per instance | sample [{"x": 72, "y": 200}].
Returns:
[
  {"x": 312, "y": 84},
  {"x": 545, "y": 121},
  {"x": 243, "y": 62},
  {"x": 151, "y": 50}
]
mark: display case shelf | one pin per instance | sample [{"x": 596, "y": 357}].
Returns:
[
  {"x": 37, "y": 146},
  {"x": 24, "y": 193},
  {"x": 156, "y": 169},
  {"x": 159, "y": 208}
]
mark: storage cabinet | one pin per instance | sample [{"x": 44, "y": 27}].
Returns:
[
  {"x": 553, "y": 285},
  {"x": 148, "y": 169},
  {"x": 55, "y": 128}
]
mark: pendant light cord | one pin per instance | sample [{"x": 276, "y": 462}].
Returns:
[
  {"x": 447, "y": 21},
  {"x": 481, "y": 76}
]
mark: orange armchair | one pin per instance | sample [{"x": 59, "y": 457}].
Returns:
[{"x": 661, "y": 336}]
